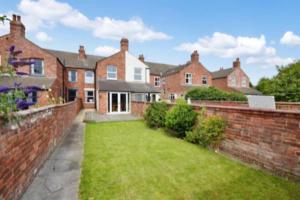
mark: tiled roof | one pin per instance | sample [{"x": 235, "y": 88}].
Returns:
[
  {"x": 71, "y": 59},
  {"x": 222, "y": 73},
  {"x": 42, "y": 82},
  {"x": 247, "y": 91},
  {"x": 159, "y": 68},
  {"x": 123, "y": 86}
]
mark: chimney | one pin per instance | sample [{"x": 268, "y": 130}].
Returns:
[
  {"x": 124, "y": 44},
  {"x": 141, "y": 58},
  {"x": 81, "y": 52},
  {"x": 17, "y": 29},
  {"x": 195, "y": 57},
  {"x": 237, "y": 63}
]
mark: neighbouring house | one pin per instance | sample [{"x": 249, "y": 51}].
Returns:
[
  {"x": 47, "y": 70},
  {"x": 233, "y": 80},
  {"x": 122, "y": 78}
]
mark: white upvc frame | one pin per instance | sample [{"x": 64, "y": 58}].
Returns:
[
  {"x": 85, "y": 95},
  {"x": 140, "y": 73},
  {"x": 116, "y": 73},
  {"x": 70, "y": 76},
  {"x": 157, "y": 80},
  {"x": 204, "y": 77},
  {"x": 189, "y": 77},
  {"x": 88, "y": 79},
  {"x": 128, "y": 102},
  {"x": 32, "y": 68}
]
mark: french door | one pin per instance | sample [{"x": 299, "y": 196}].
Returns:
[{"x": 118, "y": 102}]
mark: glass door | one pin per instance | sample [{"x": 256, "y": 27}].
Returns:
[
  {"x": 118, "y": 102},
  {"x": 114, "y": 102}
]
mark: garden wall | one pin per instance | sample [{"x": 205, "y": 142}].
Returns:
[
  {"x": 24, "y": 149},
  {"x": 267, "y": 138}
]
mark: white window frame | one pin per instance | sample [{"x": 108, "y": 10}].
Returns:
[
  {"x": 204, "y": 78},
  {"x": 244, "y": 82},
  {"x": 112, "y": 73},
  {"x": 232, "y": 81},
  {"x": 89, "y": 79},
  {"x": 70, "y": 76},
  {"x": 157, "y": 81},
  {"x": 0, "y": 59},
  {"x": 172, "y": 96},
  {"x": 86, "y": 90},
  {"x": 32, "y": 68},
  {"x": 188, "y": 78},
  {"x": 135, "y": 73}
]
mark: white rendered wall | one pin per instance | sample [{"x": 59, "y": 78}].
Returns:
[{"x": 132, "y": 62}]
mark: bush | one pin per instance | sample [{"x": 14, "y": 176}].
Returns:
[
  {"x": 214, "y": 94},
  {"x": 208, "y": 132},
  {"x": 155, "y": 114},
  {"x": 180, "y": 118}
]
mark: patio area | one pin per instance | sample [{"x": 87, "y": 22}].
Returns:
[{"x": 94, "y": 116}]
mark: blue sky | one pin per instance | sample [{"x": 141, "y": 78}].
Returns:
[{"x": 262, "y": 33}]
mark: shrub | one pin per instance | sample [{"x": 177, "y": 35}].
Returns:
[
  {"x": 180, "y": 118},
  {"x": 208, "y": 132},
  {"x": 214, "y": 94},
  {"x": 155, "y": 114}
]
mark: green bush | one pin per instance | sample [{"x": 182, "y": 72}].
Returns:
[
  {"x": 155, "y": 114},
  {"x": 180, "y": 118},
  {"x": 214, "y": 94},
  {"x": 208, "y": 132}
]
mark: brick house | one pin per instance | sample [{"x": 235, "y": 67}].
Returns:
[{"x": 233, "y": 79}]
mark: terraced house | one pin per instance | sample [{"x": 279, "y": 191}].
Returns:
[{"x": 109, "y": 84}]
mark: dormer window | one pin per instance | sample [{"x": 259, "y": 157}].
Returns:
[
  {"x": 188, "y": 78},
  {"x": 204, "y": 80},
  {"x": 137, "y": 74},
  {"x": 112, "y": 72},
  {"x": 37, "y": 68}
]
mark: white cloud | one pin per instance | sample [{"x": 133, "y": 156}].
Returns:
[
  {"x": 47, "y": 13},
  {"x": 43, "y": 37},
  {"x": 105, "y": 50},
  {"x": 289, "y": 38},
  {"x": 267, "y": 62},
  {"x": 228, "y": 46}
]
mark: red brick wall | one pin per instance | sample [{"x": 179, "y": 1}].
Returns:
[
  {"x": 288, "y": 106},
  {"x": 269, "y": 139},
  {"x": 117, "y": 60},
  {"x": 222, "y": 84},
  {"x": 175, "y": 83},
  {"x": 221, "y": 103},
  {"x": 102, "y": 107},
  {"x": 24, "y": 150},
  {"x": 79, "y": 85}
]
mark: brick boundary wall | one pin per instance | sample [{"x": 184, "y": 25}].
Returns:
[
  {"x": 24, "y": 149},
  {"x": 269, "y": 139}
]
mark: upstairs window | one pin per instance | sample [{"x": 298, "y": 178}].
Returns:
[
  {"x": 37, "y": 68},
  {"x": 89, "y": 77},
  {"x": 157, "y": 81},
  {"x": 233, "y": 81},
  {"x": 112, "y": 72},
  {"x": 137, "y": 74},
  {"x": 72, "y": 76},
  {"x": 204, "y": 80},
  {"x": 244, "y": 82},
  {"x": 188, "y": 78}
]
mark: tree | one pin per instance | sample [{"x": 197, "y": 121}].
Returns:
[{"x": 285, "y": 86}]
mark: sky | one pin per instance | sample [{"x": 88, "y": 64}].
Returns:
[{"x": 263, "y": 34}]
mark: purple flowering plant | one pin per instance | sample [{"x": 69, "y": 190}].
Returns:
[{"x": 14, "y": 97}]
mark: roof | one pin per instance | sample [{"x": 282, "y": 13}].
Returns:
[
  {"x": 247, "y": 91},
  {"x": 222, "y": 73},
  {"x": 158, "y": 68},
  {"x": 70, "y": 59},
  {"x": 123, "y": 86},
  {"x": 26, "y": 81}
]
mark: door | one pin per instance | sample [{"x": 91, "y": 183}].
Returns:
[
  {"x": 71, "y": 94},
  {"x": 118, "y": 102}
]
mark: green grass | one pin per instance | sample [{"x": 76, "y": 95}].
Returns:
[{"x": 127, "y": 160}]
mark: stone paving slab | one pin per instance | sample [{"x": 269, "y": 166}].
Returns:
[
  {"x": 93, "y": 116},
  {"x": 59, "y": 177}
]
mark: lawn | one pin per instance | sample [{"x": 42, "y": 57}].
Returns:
[{"x": 127, "y": 160}]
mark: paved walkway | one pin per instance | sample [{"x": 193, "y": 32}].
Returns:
[
  {"x": 59, "y": 178},
  {"x": 93, "y": 116}
]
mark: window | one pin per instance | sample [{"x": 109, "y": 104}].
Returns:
[
  {"x": 32, "y": 97},
  {"x": 156, "y": 81},
  {"x": 72, "y": 76},
  {"x": 172, "y": 97},
  {"x": 0, "y": 60},
  {"x": 188, "y": 78},
  {"x": 89, "y": 96},
  {"x": 204, "y": 80},
  {"x": 37, "y": 68},
  {"x": 89, "y": 77},
  {"x": 72, "y": 94},
  {"x": 232, "y": 81},
  {"x": 244, "y": 82},
  {"x": 112, "y": 72},
  {"x": 137, "y": 74},
  {"x": 138, "y": 97}
]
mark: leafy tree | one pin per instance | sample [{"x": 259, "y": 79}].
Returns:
[{"x": 285, "y": 86}]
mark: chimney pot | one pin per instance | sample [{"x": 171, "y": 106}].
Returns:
[
  {"x": 18, "y": 18},
  {"x": 17, "y": 29},
  {"x": 14, "y": 17},
  {"x": 195, "y": 57},
  {"x": 124, "y": 44},
  {"x": 142, "y": 58},
  {"x": 237, "y": 63}
]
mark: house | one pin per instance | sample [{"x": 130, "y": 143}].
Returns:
[
  {"x": 46, "y": 72},
  {"x": 233, "y": 79}
]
